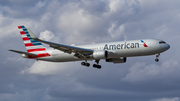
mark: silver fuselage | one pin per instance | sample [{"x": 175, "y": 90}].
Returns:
[{"x": 116, "y": 50}]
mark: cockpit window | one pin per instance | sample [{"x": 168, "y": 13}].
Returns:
[{"x": 162, "y": 42}]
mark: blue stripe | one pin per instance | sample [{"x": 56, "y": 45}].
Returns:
[
  {"x": 34, "y": 40},
  {"x": 22, "y": 27},
  {"x": 35, "y": 44},
  {"x": 31, "y": 39},
  {"x": 142, "y": 41},
  {"x": 26, "y": 32},
  {"x": 28, "y": 36}
]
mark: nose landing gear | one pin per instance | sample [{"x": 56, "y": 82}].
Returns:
[
  {"x": 157, "y": 56},
  {"x": 156, "y": 60}
]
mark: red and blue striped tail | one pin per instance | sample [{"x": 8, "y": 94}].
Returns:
[{"x": 32, "y": 46}]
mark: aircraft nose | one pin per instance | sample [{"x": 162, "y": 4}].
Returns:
[{"x": 167, "y": 46}]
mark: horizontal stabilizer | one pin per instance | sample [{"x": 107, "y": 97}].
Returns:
[{"x": 20, "y": 52}]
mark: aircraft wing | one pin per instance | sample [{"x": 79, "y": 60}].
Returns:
[
  {"x": 79, "y": 52},
  {"x": 20, "y": 52}
]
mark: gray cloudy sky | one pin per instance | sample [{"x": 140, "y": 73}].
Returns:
[{"x": 87, "y": 21}]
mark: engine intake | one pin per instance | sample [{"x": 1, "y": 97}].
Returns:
[
  {"x": 100, "y": 54},
  {"x": 117, "y": 60}
]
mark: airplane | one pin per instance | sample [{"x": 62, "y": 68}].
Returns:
[{"x": 114, "y": 52}]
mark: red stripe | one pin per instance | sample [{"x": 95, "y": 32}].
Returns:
[
  {"x": 43, "y": 55},
  {"x": 19, "y": 27},
  {"x": 34, "y": 50},
  {"x": 22, "y": 32},
  {"x": 39, "y": 55},
  {"x": 31, "y": 56},
  {"x": 25, "y": 38},
  {"x": 28, "y": 44},
  {"x": 145, "y": 45}
]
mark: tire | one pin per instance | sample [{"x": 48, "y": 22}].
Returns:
[
  {"x": 156, "y": 60},
  {"x": 87, "y": 64},
  {"x": 83, "y": 63}
]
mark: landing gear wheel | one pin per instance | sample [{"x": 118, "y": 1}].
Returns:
[
  {"x": 156, "y": 60},
  {"x": 97, "y": 66},
  {"x": 85, "y": 64},
  {"x": 157, "y": 56},
  {"x": 94, "y": 65}
]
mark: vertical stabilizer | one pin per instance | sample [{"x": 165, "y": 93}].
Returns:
[{"x": 32, "y": 46}]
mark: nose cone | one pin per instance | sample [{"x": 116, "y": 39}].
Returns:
[
  {"x": 163, "y": 46},
  {"x": 167, "y": 46}
]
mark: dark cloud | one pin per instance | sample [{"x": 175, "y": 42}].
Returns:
[{"x": 85, "y": 21}]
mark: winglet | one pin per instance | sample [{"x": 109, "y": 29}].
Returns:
[{"x": 32, "y": 35}]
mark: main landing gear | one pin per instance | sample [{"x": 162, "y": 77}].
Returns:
[
  {"x": 85, "y": 64},
  {"x": 157, "y": 56},
  {"x": 94, "y": 65}
]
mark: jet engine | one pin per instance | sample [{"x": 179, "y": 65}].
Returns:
[
  {"x": 100, "y": 54},
  {"x": 117, "y": 60}
]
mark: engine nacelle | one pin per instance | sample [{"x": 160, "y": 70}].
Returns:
[
  {"x": 117, "y": 60},
  {"x": 100, "y": 54}
]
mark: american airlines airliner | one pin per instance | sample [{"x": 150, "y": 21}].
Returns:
[{"x": 114, "y": 52}]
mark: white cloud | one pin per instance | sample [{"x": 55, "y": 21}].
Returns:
[
  {"x": 51, "y": 68},
  {"x": 142, "y": 71},
  {"x": 10, "y": 11},
  {"x": 11, "y": 29},
  {"x": 167, "y": 99},
  {"x": 41, "y": 4},
  {"x": 46, "y": 35},
  {"x": 116, "y": 33},
  {"x": 46, "y": 17},
  {"x": 43, "y": 68},
  {"x": 27, "y": 95},
  {"x": 77, "y": 20}
]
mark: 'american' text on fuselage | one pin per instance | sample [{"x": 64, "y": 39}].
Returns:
[{"x": 121, "y": 46}]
